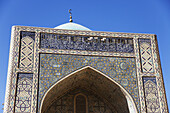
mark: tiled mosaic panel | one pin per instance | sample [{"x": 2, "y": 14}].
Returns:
[
  {"x": 146, "y": 55},
  {"x": 56, "y": 41},
  {"x": 151, "y": 95},
  {"x": 109, "y": 34},
  {"x": 66, "y": 103},
  {"x": 27, "y": 49},
  {"x": 24, "y": 93},
  {"x": 53, "y": 67}
]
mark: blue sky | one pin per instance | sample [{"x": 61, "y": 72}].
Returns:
[{"x": 135, "y": 16}]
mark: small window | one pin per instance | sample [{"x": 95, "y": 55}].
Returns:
[{"x": 80, "y": 104}]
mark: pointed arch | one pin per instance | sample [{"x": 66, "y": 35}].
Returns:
[{"x": 89, "y": 77}]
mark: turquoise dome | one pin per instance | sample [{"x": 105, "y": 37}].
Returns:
[{"x": 72, "y": 26}]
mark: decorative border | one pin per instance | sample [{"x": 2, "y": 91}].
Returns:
[
  {"x": 23, "y": 93},
  {"x": 86, "y": 43},
  {"x": 151, "y": 94},
  {"x": 26, "y": 49},
  {"x": 144, "y": 53},
  {"x": 160, "y": 81},
  {"x": 14, "y": 55}
]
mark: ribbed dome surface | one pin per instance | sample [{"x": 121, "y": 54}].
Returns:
[{"x": 72, "y": 26}]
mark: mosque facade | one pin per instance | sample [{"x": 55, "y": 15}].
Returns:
[{"x": 71, "y": 69}]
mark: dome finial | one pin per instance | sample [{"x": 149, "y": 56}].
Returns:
[{"x": 70, "y": 16}]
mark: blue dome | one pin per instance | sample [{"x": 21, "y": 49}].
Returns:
[{"x": 72, "y": 26}]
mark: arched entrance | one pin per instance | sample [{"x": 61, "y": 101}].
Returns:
[{"x": 87, "y": 91}]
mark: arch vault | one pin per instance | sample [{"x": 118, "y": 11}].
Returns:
[{"x": 100, "y": 86}]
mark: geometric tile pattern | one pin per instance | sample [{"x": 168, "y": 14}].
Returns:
[
  {"x": 53, "y": 67},
  {"x": 139, "y": 76},
  {"x": 21, "y": 31},
  {"x": 26, "y": 51},
  {"x": 24, "y": 93},
  {"x": 146, "y": 55},
  {"x": 91, "y": 43},
  {"x": 151, "y": 95}
]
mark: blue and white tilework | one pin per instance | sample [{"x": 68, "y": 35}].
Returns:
[
  {"x": 88, "y": 43},
  {"x": 27, "y": 50},
  {"x": 133, "y": 85},
  {"x": 24, "y": 93},
  {"x": 151, "y": 95},
  {"x": 146, "y": 55},
  {"x": 53, "y": 67}
]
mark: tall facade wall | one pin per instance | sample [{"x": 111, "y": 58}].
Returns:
[{"x": 39, "y": 57}]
